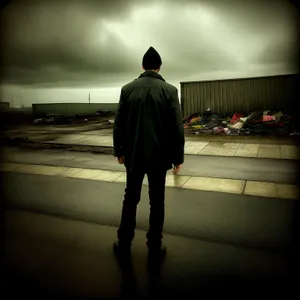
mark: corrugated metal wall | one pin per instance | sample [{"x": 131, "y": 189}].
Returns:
[
  {"x": 71, "y": 109},
  {"x": 226, "y": 97}
]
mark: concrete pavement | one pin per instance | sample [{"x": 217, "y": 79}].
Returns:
[
  {"x": 195, "y": 147},
  {"x": 209, "y": 145},
  {"x": 60, "y": 225},
  {"x": 237, "y": 175},
  {"x": 242, "y": 220},
  {"x": 222, "y": 185},
  {"x": 53, "y": 258},
  {"x": 239, "y": 168}
]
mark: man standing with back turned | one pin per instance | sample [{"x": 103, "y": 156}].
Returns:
[{"x": 148, "y": 139}]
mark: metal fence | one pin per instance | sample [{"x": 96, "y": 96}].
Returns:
[{"x": 227, "y": 97}]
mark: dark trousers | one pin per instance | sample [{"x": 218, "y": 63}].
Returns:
[{"x": 134, "y": 181}]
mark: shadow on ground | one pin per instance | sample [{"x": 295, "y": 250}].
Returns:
[{"x": 49, "y": 257}]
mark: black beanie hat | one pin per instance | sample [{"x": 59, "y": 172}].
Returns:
[{"x": 151, "y": 59}]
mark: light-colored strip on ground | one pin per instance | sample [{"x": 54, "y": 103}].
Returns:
[
  {"x": 232, "y": 186},
  {"x": 201, "y": 147}
]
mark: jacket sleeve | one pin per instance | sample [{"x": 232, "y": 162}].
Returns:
[
  {"x": 177, "y": 130},
  {"x": 119, "y": 128}
]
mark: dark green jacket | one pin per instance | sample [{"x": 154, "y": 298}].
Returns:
[{"x": 148, "y": 127}]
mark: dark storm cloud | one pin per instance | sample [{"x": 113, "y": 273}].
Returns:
[
  {"x": 59, "y": 77},
  {"x": 278, "y": 53},
  {"x": 39, "y": 37},
  {"x": 233, "y": 36},
  {"x": 269, "y": 28},
  {"x": 72, "y": 43}
]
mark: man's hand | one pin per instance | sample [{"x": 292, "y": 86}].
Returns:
[
  {"x": 120, "y": 160},
  {"x": 176, "y": 169}
]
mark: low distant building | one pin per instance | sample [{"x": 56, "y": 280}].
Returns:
[
  {"x": 71, "y": 110},
  {"x": 4, "y": 106}
]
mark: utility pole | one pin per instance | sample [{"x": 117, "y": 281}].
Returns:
[{"x": 89, "y": 98}]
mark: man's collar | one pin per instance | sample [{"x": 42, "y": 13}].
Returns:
[{"x": 151, "y": 74}]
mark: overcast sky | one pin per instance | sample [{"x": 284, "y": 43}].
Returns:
[{"x": 60, "y": 51}]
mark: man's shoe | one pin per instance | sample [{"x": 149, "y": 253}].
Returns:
[
  {"x": 157, "y": 251},
  {"x": 121, "y": 250}
]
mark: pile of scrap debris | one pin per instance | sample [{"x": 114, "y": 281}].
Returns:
[
  {"x": 51, "y": 119},
  {"x": 257, "y": 123}
]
